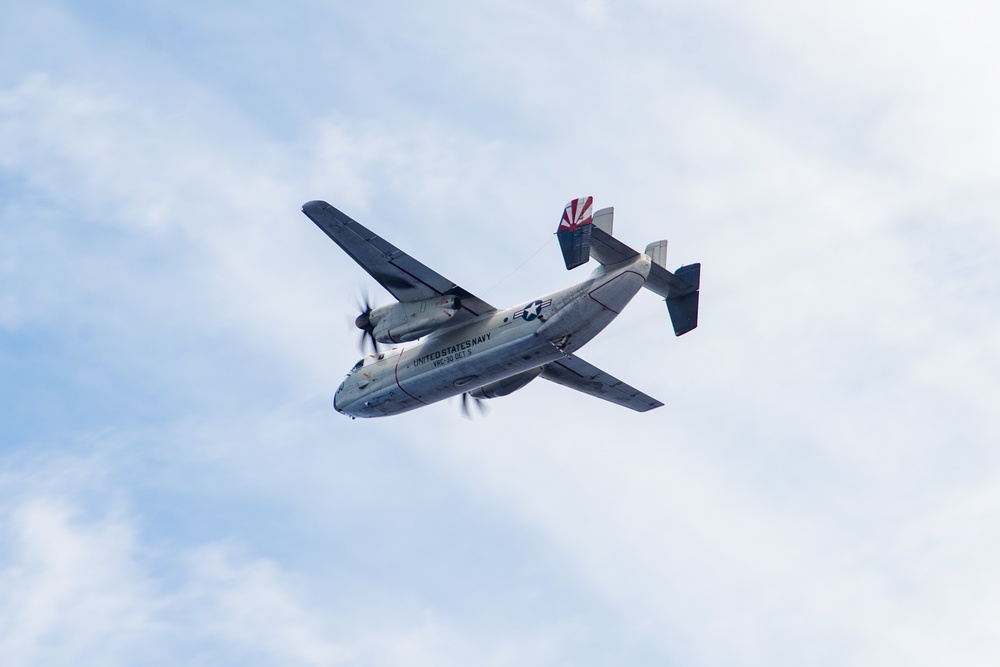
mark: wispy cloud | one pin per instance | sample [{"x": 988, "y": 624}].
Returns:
[{"x": 71, "y": 592}]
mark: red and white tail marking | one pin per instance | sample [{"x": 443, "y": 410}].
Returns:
[{"x": 577, "y": 213}]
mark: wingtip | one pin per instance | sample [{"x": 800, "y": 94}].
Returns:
[{"x": 314, "y": 204}]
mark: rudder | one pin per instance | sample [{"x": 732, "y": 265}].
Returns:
[
  {"x": 683, "y": 308},
  {"x": 574, "y": 231}
]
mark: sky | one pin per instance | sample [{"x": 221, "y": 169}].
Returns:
[{"x": 822, "y": 486}]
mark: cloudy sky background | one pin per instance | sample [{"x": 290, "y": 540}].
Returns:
[{"x": 822, "y": 487}]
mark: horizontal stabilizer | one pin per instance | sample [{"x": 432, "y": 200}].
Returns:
[
  {"x": 669, "y": 285},
  {"x": 608, "y": 250}
]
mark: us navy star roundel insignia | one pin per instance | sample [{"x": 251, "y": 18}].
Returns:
[{"x": 532, "y": 310}]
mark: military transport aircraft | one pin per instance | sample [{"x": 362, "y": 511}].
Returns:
[{"x": 455, "y": 343}]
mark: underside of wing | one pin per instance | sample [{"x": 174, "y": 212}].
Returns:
[
  {"x": 575, "y": 373},
  {"x": 402, "y": 276}
]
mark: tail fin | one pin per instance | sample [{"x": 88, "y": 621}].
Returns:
[
  {"x": 574, "y": 231},
  {"x": 679, "y": 290},
  {"x": 583, "y": 234},
  {"x": 683, "y": 308}
]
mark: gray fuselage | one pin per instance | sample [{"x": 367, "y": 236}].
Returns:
[{"x": 493, "y": 347}]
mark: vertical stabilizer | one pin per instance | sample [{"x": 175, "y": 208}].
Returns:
[
  {"x": 683, "y": 308},
  {"x": 657, "y": 253},
  {"x": 605, "y": 220},
  {"x": 679, "y": 289},
  {"x": 574, "y": 231}
]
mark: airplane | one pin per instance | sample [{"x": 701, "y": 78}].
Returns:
[{"x": 450, "y": 342}]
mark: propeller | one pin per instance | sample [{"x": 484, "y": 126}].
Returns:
[
  {"x": 363, "y": 322},
  {"x": 466, "y": 412}
]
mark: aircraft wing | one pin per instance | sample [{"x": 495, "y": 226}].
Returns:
[
  {"x": 401, "y": 275},
  {"x": 575, "y": 373}
]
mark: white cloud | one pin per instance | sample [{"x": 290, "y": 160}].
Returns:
[
  {"x": 89, "y": 574},
  {"x": 71, "y": 591},
  {"x": 254, "y": 606}
]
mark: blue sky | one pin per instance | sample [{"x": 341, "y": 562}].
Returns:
[{"x": 822, "y": 486}]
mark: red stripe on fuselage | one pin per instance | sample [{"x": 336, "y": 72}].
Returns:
[
  {"x": 604, "y": 305},
  {"x": 395, "y": 374}
]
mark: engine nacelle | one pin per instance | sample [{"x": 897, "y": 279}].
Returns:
[
  {"x": 507, "y": 385},
  {"x": 403, "y": 322}
]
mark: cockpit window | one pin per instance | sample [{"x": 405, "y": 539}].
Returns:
[
  {"x": 364, "y": 361},
  {"x": 374, "y": 358}
]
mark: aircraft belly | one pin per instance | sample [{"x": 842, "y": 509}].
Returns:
[
  {"x": 388, "y": 401},
  {"x": 488, "y": 365}
]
